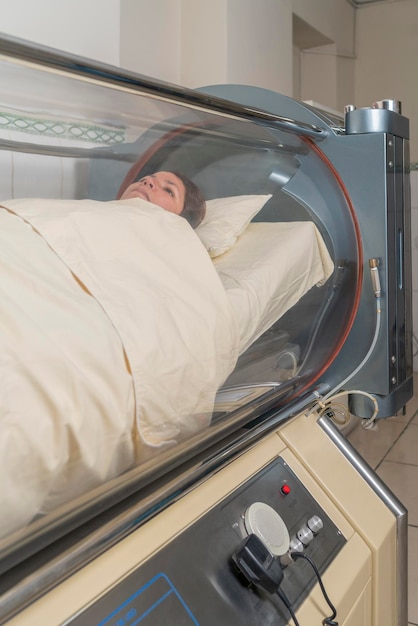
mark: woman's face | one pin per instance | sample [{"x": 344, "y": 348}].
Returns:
[{"x": 162, "y": 188}]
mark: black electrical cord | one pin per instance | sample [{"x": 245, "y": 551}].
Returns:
[
  {"x": 283, "y": 597},
  {"x": 262, "y": 569},
  {"x": 328, "y": 621}
]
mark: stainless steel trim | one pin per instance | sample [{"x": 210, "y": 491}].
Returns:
[
  {"x": 45, "y": 57},
  {"x": 390, "y": 105},
  {"x": 67, "y": 152},
  {"x": 392, "y": 503}
]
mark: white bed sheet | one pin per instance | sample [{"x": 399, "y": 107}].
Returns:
[
  {"x": 133, "y": 363},
  {"x": 269, "y": 269}
]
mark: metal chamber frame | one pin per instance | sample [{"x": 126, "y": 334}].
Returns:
[{"x": 48, "y": 568}]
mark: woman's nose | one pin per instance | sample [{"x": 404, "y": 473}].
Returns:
[{"x": 148, "y": 182}]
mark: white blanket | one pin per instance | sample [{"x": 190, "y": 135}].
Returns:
[
  {"x": 116, "y": 333},
  {"x": 121, "y": 333}
]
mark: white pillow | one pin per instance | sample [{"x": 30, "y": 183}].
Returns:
[{"x": 226, "y": 219}]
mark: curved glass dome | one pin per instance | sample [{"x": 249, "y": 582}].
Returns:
[
  {"x": 229, "y": 158},
  {"x": 279, "y": 249}
]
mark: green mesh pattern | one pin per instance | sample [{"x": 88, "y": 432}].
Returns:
[{"x": 92, "y": 133}]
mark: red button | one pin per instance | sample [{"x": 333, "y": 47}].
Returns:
[{"x": 285, "y": 489}]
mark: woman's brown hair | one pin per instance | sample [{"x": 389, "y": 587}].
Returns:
[{"x": 194, "y": 209}]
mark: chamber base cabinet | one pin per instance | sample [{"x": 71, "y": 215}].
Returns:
[{"x": 178, "y": 565}]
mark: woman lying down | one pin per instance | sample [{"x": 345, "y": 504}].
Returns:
[{"x": 116, "y": 334}]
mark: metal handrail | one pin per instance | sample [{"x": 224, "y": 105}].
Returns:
[{"x": 35, "y": 54}]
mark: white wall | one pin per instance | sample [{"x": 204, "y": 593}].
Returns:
[
  {"x": 89, "y": 28},
  {"x": 333, "y": 18},
  {"x": 319, "y": 76},
  {"x": 237, "y": 41},
  {"x": 192, "y": 42},
  {"x": 259, "y": 42},
  {"x": 196, "y": 42},
  {"x": 387, "y": 52},
  {"x": 204, "y": 34},
  {"x": 151, "y": 36}
]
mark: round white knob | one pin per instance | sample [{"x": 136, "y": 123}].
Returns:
[
  {"x": 315, "y": 524},
  {"x": 262, "y": 520},
  {"x": 305, "y": 535}
]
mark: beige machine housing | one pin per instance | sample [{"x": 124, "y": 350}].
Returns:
[{"x": 362, "y": 580}]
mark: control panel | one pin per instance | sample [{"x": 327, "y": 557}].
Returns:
[{"x": 194, "y": 579}]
